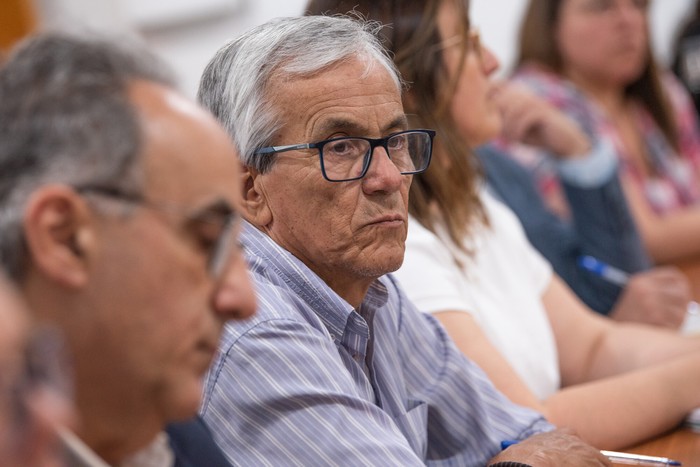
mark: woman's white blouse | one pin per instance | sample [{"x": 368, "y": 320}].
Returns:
[{"x": 501, "y": 285}]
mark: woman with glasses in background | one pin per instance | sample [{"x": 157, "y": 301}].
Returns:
[
  {"x": 468, "y": 261},
  {"x": 592, "y": 59}
]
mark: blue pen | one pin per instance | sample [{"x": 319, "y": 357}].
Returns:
[
  {"x": 618, "y": 277},
  {"x": 609, "y": 273},
  {"x": 622, "y": 457}
]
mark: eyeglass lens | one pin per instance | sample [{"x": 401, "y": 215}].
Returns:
[
  {"x": 223, "y": 249},
  {"x": 349, "y": 158}
]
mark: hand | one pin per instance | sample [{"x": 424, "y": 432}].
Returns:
[
  {"x": 659, "y": 296},
  {"x": 531, "y": 120},
  {"x": 559, "y": 448}
]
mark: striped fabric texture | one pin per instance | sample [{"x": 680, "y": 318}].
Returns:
[{"x": 309, "y": 380}]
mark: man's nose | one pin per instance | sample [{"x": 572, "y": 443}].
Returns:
[
  {"x": 234, "y": 296},
  {"x": 382, "y": 174}
]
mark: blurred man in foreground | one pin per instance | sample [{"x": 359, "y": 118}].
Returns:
[{"x": 118, "y": 207}]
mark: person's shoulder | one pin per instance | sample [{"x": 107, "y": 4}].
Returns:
[{"x": 278, "y": 307}]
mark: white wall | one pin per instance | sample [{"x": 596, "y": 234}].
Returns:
[{"x": 188, "y": 44}]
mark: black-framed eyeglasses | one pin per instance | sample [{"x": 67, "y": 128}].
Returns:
[
  {"x": 348, "y": 158},
  {"x": 216, "y": 225}
]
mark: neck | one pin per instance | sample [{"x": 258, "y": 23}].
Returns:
[
  {"x": 352, "y": 293},
  {"x": 115, "y": 419},
  {"x": 113, "y": 435}
]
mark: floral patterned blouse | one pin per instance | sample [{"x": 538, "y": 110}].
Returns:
[{"x": 675, "y": 179}]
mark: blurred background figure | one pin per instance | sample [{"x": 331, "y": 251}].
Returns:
[
  {"x": 592, "y": 59},
  {"x": 35, "y": 391},
  {"x": 118, "y": 215},
  {"x": 686, "y": 63}
]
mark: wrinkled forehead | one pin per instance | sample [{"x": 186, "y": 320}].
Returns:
[
  {"x": 356, "y": 88},
  {"x": 365, "y": 61}
]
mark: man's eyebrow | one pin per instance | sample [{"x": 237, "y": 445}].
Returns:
[
  {"x": 400, "y": 122},
  {"x": 219, "y": 209},
  {"x": 353, "y": 128}
]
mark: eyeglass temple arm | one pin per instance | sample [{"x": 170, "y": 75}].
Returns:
[{"x": 291, "y": 147}]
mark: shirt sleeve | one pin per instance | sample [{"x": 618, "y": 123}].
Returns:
[
  {"x": 593, "y": 169},
  {"x": 468, "y": 417}
]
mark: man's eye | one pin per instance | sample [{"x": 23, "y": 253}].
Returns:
[
  {"x": 207, "y": 235},
  {"x": 397, "y": 142},
  {"x": 344, "y": 148}
]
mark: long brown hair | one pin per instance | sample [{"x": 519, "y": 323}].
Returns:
[
  {"x": 447, "y": 192},
  {"x": 538, "y": 46}
]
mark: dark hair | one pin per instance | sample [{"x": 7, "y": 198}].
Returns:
[
  {"x": 538, "y": 46},
  {"x": 447, "y": 192},
  {"x": 66, "y": 118}
]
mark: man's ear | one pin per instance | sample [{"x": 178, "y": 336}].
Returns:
[
  {"x": 255, "y": 202},
  {"x": 59, "y": 234}
]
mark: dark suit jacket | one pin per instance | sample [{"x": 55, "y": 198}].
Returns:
[
  {"x": 190, "y": 441},
  {"x": 193, "y": 445},
  {"x": 601, "y": 226}
]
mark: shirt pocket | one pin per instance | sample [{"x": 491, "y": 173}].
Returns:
[{"x": 414, "y": 425}]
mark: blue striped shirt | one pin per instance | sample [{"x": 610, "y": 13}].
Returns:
[{"x": 309, "y": 380}]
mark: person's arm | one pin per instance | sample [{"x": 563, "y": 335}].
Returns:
[
  {"x": 629, "y": 381},
  {"x": 561, "y": 241},
  {"x": 600, "y": 225},
  {"x": 670, "y": 237},
  {"x": 675, "y": 236},
  {"x": 473, "y": 342},
  {"x": 605, "y": 229},
  {"x": 592, "y": 347},
  {"x": 609, "y": 412}
]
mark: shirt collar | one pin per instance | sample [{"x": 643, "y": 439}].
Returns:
[
  {"x": 157, "y": 454},
  {"x": 333, "y": 310}
]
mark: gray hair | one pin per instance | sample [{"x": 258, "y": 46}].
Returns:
[
  {"x": 236, "y": 81},
  {"x": 66, "y": 118}
]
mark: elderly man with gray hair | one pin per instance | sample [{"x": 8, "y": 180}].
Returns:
[{"x": 338, "y": 367}]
